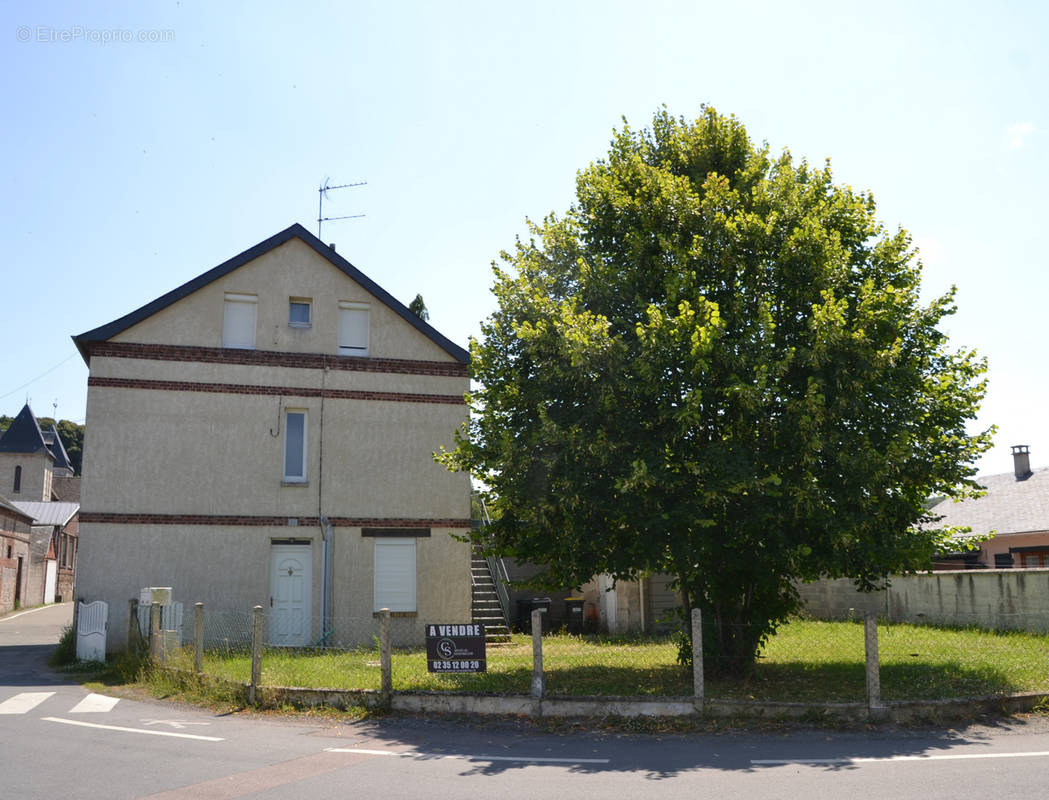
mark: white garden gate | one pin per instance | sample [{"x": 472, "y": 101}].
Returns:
[{"x": 92, "y": 619}]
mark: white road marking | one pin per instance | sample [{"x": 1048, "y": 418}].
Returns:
[
  {"x": 527, "y": 759},
  {"x": 864, "y": 760},
  {"x": 94, "y": 704},
  {"x": 133, "y": 730},
  {"x": 174, "y": 723},
  {"x": 21, "y": 703}
]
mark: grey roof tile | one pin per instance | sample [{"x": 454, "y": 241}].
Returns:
[{"x": 1009, "y": 506}]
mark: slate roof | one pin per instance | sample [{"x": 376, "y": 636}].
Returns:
[
  {"x": 1009, "y": 506},
  {"x": 47, "y": 513},
  {"x": 296, "y": 231},
  {"x": 24, "y": 435},
  {"x": 58, "y": 450}
]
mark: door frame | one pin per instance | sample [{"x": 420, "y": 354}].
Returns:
[{"x": 280, "y": 549}]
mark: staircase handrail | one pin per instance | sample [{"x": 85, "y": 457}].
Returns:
[{"x": 497, "y": 569}]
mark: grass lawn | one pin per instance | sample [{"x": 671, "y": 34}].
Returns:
[{"x": 805, "y": 661}]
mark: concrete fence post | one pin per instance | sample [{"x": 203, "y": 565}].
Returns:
[
  {"x": 538, "y": 679},
  {"x": 198, "y": 638},
  {"x": 155, "y": 650},
  {"x": 870, "y": 637},
  {"x": 134, "y": 635},
  {"x": 256, "y": 654},
  {"x": 697, "y": 660},
  {"x": 385, "y": 657}
]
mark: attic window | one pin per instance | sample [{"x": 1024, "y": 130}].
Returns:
[
  {"x": 299, "y": 312},
  {"x": 353, "y": 328},
  {"x": 238, "y": 321}
]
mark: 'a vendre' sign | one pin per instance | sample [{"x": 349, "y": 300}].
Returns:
[{"x": 455, "y": 647}]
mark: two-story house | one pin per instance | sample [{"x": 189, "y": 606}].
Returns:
[{"x": 263, "y": 434}]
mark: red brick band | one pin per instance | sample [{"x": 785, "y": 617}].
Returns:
[
  {"x": 274, "y": 391},
  {"x": 272, "y": 358},
  {"x": 250, "y": 521}
]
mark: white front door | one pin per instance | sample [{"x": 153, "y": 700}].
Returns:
[
  {"x": 50, "y": 580},
  {"x": 290, "y": 594}
]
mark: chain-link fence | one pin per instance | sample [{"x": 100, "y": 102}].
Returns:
[
  {"x": 804, "y": 660},
  {"x": 928, "y": 660}
]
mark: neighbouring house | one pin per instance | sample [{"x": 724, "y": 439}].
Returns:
[
  {"x": 264, "y": 435},
  {"x": 34, "y": 469},
  {"x": 52, "y": 550},
  {"x": 1015, "y": 508},
  {"x": 14, "y": 556}
]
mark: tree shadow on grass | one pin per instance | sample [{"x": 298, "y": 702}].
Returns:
[
  {"x": 659, "y": 680},
  {"x": 822, "y": 682},
  {"x": 943, "y": 680}
]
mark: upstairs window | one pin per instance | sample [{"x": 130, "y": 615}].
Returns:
[
  {"x": 353, "y": 329},
  {"x": 294, "y": 446},
  {"x": 299, "y": 315},
  {"x": 18, "y": 478},
  {"x": 238, "y": 321}
]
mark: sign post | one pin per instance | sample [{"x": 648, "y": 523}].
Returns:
[{"x": 455, "y": 647}]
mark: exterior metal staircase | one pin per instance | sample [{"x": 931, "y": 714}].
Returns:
[{"x": 489, "y": 599}]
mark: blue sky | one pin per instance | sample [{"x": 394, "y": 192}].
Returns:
[{"x": 147, "y": 142}]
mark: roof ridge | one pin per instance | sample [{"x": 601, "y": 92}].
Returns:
[{"x": 295, "y": 231}]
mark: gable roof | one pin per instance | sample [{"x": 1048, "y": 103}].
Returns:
[
  {"x": 44, "y": 513},
  {"x": 296, "y": 231},
  {"x": 1009, "y": 506},
  {"x": 24, "y": 436}
]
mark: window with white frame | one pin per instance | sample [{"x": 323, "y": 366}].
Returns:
[
  {"x": 353, "y": 328},
  {"x": 299, "y": 312},
  {"x": 238, "y": 321},
  {"x": 294, "y": 446},
  {"x": 395, "y": 574}
]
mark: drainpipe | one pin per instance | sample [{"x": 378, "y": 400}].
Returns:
[
  {"x": 326, "y": 533},
  {"x": 326, "y": 530}
]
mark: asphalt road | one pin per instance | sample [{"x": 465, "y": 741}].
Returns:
[{"x": 58, "y": 740}]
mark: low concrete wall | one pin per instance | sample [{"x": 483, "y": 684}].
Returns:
[
  {"x": 595, "y": 707},
  {"x": 1001, "y": 599}
]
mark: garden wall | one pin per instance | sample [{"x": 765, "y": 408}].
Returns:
[{"x": 1002, "y": 599}]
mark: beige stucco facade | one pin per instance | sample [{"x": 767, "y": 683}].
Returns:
[{"x": 184, "y": 482}]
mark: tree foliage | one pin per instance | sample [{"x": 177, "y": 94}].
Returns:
[
  {"x": 418, "y": 307},
  {"x": 716, "y": 365}
]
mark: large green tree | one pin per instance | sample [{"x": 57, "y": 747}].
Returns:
[{"x": 716, "y": 365}]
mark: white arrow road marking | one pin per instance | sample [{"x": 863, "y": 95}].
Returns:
[
  {"x": 527, "y": 759},
  {"x": 21, "y": 703},
  {"x": 765, "y": 762},
  {"x": 133, "y": 730},
  {"x": 174, "y": 723},
  {"x": 94, "y": 704}
]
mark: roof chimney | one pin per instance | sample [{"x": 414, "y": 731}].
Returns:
[
  {"x": 332, "y": 246},
  {"x": 1022, "y": 461}
]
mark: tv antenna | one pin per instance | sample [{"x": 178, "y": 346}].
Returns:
[{"x": 322, "y": 192}]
